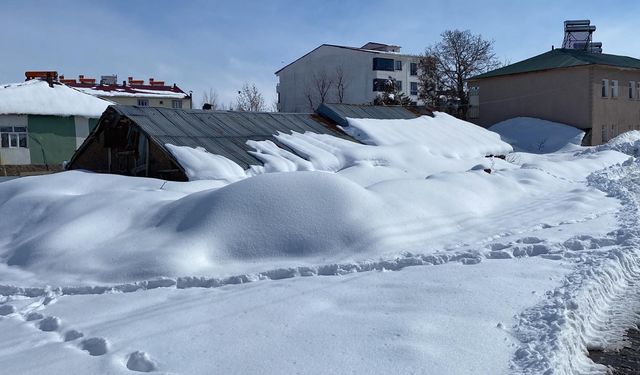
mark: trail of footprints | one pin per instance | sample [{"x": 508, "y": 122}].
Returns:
[
  {"x": 142, "y": 362},
  {"x": 94, "y": 346}
]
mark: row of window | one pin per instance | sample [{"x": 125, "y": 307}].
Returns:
[
  {"x": 13, "y": 137},
  {"x": 390, "y": 65},
  {"x": 176, "y": 103},
  {"x": 610, "y": 88},
  {"x": 379, "y": 84}
]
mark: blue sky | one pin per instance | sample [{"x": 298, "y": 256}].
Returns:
[{"x": 202, "y": 45}]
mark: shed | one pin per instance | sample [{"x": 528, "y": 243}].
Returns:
[{"x": 132, "y": 140}]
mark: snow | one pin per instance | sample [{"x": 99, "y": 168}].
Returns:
[
  {"x": 443, "y": 135},
  {"x": 538, "y": 136},
  {"x": 35, "y": 97},
  {"x": 202, "y": 165},
  {"x": 132, "y": 92},
  {"x": 402, "y": 255}
]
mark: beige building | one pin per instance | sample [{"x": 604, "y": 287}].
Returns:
[
  {"x": 132, "y": 91},
  {"x": 592, "y": 91}
]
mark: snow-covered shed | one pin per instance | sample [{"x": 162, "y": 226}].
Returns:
[
  {"x": 134, "y": 140},
  {"x": 43, "y": 123}
]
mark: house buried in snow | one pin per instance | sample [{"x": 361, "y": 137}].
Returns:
[{"x": 136, "y": 141}]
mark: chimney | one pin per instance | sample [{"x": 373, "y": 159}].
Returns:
[{"x": 151, "y": 81}]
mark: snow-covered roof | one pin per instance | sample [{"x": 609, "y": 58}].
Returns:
[
  {"x": 119, "y": 91},
  {"x": 35, "y": 97}
]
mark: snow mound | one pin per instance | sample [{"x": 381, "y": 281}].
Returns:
[
  {"x": 443, "y": 135},
  {"x": 199, "y": 164},
  {"x": 627, "y": 143},
  {"x": 274, "y": 215},
  {"x": 35, "y": 97},
  {"x": 528, "y": 134}
]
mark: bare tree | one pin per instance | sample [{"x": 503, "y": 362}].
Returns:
[
  {"x": 429, "y": 80},
  {"x": 210, "y": 100},
  {"x": 459, "y": 56},
  {"x": 340, "y": 83},
  {"x": 250, "y": 99},
  {"x": 318, "y": 88}
]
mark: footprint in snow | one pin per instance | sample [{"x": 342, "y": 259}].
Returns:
[
  {"x": 49, "y": 324},
  {"x": 140, "y": 361},
  {"x": 33, "y": 316},
  {"x": 72, "y": 335},
  {"x": 7, "y": 309},
  {"x": 95, "y": 346}
]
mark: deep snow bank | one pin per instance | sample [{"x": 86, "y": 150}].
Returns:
[
  {"x": 528, "y": 134},
  {"x": 443, "y": 135}
]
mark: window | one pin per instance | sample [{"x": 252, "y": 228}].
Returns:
[
  {"x": 176, "y": 103},
  {"x": 398, "y": 65},
  {"x": 605, "y": 137},
  {"x": 399, "y": 85},
  {"x": 379, "y": 84},
  {"x": 413, "y": 89},
  {"x": 614, "y": 88},
  {"x": 143, "y": 102},
  {"x": 632, "y": 90},
  {"x": 383, "y": 64},
  {"x": 605, "y": 88},
  {"x": 413, "y": 69},
  {"x": 13, "y": 137}
]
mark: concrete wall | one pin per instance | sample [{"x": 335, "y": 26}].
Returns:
[
  {"x": 615, "y": 115},
  {"x": 296, "y": 80},
  {"x": 561, "y": 95}
]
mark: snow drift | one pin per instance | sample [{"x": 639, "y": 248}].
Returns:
[{"x": 537, "y": 136}]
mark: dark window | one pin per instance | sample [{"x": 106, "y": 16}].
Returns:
[
  {"x": 399, "y": 85},
  {"x": 414, "y": 88},
  {"x": 383, "y": 64},
  {"x": 4, "y": 137},
  {"x": 398, "y": 65},
  {"x": 413, "y": 69},
  {"x": 143, "y": 102},
  {"x": 23, "y": 140},
  {"x": 379, "y": 84}
]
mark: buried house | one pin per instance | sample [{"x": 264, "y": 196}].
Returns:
[{"x": 136, "y": 141}]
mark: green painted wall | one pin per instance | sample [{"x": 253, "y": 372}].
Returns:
[{"x": 52, "y": 139}]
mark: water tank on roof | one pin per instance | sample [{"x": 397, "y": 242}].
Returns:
[{"x": 109, "y": 80}]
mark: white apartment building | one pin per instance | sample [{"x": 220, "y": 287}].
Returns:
[{"x": 340, "y": 74}]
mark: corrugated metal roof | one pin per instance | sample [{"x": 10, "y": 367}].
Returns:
[
  {"x": 221, "y": 132},
  {"x": 562, "y": 58},
  {"x": 340, "y": 112}
]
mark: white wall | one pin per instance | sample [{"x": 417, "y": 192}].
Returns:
[
  {"x": 14, "y": 156},
  {"x": 82, "y": 129},
  {"x": 296, "y": 80}
]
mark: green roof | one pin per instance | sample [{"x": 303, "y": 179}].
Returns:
[{"x": 562, "y": 58}]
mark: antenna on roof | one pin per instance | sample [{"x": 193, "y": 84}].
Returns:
[{"x": 578, "y": 35}]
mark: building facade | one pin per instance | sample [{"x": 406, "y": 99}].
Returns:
[
  {"x": 132, "y": 91},
  {"x": 42, "y": 123},
  {"x": 596, "y": 92},
  {"x": 340, "y": 74}
]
